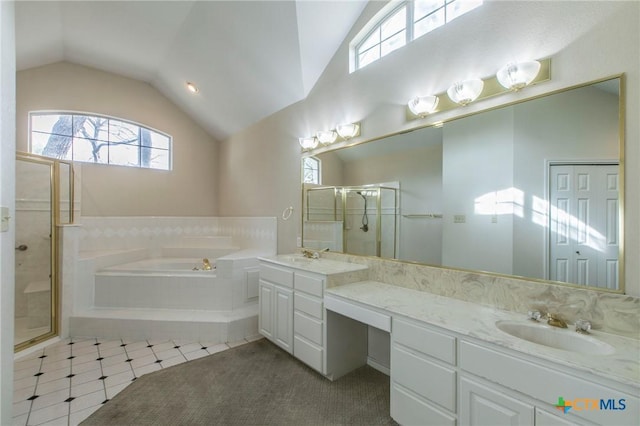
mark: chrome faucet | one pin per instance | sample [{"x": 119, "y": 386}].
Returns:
[{"x": 583, "y": 326}]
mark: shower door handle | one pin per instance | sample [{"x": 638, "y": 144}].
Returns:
[{"x": 22, "y": 247}]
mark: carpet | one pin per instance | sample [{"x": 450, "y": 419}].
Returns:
[{"x": 253, "y": 384}]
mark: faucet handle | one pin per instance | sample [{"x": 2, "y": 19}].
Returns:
[
  {"x": 583, "y": 326},
  {"x": 534, "y": 315}
]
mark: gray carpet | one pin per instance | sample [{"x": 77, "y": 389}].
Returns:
[{"x": 253, "y": 384}]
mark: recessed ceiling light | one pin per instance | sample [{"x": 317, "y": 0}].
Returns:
[{"x": 192, "y": 87}]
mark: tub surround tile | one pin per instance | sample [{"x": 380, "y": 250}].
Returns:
[{"x": 608, "y": 312}]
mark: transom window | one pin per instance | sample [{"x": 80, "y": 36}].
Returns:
[
  {"x": 98, "y": 139},
  {"x": 401, "y": 23},
  {"x": 311, "y": 170}
]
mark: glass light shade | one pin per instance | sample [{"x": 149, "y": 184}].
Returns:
[
  {"x": 423, "y": 105},
  {"x": 516, "y": 76},
  {"x": 192, "y": 87},
  {"x": 308, "y": 143},
  {"x": 347, "y": 131},
  {"x": 327, "y": 137},
  {"x": 465, "y": 92}
]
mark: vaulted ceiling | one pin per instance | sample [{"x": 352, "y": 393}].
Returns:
[{"x": 249, "y": 59}]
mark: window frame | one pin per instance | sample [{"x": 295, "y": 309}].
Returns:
[
  {"x": 109, "y": 143},
  {"x": 319, "y": 168},
  {"x": 386, "y": 13}
]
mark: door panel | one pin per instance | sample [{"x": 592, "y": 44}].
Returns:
[
  {"x": 34, "y": 266},
  {"x": 584, "y": 223}
]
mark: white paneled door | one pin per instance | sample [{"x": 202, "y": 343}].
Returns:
[{"x": 584, "y": 224}]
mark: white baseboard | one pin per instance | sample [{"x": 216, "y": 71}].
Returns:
[{"x": 376, "y": 365}]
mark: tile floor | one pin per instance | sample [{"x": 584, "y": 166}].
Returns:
[{"x": 64, "y": 383}]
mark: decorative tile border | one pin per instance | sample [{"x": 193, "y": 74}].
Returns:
[{"x": 107, "y": 233}]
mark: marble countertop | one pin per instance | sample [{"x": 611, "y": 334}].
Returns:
[
  {"x": 319, "y": 266},
  {"x": 478, "y": 321}
]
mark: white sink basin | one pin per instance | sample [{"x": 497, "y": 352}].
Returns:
[
  {"x": 295, "y": 259},
  {"x": 565, "y": 339}
]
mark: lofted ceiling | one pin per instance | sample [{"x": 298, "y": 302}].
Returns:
[{"x": 249, "y": 59}]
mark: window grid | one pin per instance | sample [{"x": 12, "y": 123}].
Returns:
[
  {"x": 311, "y": 170},
  {"x": 98, "y": 139},
  {"x": 437, "y": 14}
]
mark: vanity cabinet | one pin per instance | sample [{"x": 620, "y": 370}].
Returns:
[
  {"x": 308, "y": 320},
  {"x": 275, "y": 319},
  {"x": 293, "y": 315},
  {"x": 441, "y": 378},
  {"x": 423, "y": 375}
]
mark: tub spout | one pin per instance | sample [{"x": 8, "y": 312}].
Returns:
[{"x": 206, "y": 265}]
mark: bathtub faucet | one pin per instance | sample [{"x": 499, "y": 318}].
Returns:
[{"x": 206, "y": 265}]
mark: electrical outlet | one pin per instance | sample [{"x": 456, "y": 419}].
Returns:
[{"x": 459, "y": 218}]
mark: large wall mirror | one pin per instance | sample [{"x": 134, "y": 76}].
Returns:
[{"x": 532, "y": 189}]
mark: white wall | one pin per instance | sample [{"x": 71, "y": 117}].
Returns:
[
  {"x": 190, "y": 189},
  {"x": 577, "y": 36},
  {"x": 7, "y": 199},
  {"x": 477, "y": 171}
]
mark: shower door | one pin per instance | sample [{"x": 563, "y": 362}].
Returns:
[{"x": 35, "y": 257}]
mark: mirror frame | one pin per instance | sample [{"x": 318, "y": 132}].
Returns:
[{"x": 621, "y": 183}]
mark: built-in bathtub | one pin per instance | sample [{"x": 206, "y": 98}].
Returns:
[
  {"x": 169, "y": 283},
  {"x": 172, "y": 297},
  {"x": 167, "y": 266}
]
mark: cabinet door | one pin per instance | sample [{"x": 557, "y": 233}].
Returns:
[
  {"x": 482, "y": 404},
  {"x": 265, "y": 317},
  {"x": 545, "y": 418},
  {"x": 283, "y": 321}
]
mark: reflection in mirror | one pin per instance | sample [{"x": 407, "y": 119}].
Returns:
[{"x": 530, "y": 190}]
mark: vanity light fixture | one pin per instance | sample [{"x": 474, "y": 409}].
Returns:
[
  {"x": 349, "y": 130},
  {"x": 465, "y": 92},
  {"x": 192, "y": 87},
  {"x": 327, "y": 137},
  {"x": 515, "y": 76},
  {"x": 423, "y": 105},
  {"x": 308, "y": 143}
]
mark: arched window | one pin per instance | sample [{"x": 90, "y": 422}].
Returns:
[
  {"x": 98, "y": 139},
  {"x": 311, "y": 170},
  {"x": 402, "y": 22}
]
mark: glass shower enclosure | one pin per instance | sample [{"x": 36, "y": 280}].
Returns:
[
  {"x": 44, "y": 200},
  {"x": 356, "y": 219}
]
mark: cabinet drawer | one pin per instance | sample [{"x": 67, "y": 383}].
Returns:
[
  {"x": 427, "y": 379},
  {"x": 430, "y": 342},
  {"x": 308, "y": 353},
  {"x": 309, "y": 284},
  {"x": 358, "y": 313},
  {"x": 277, "y": 275},
  {"x": 309, "y": 328},
  {"x": 408, "y": 409},
  {"x": 309, "y": 305}
]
